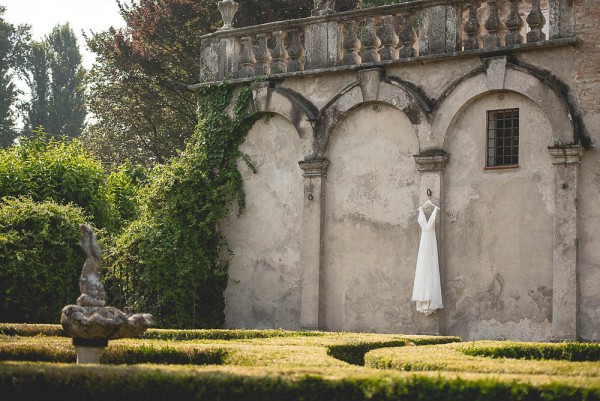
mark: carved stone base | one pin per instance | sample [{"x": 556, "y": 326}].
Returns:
[{"x": 108, "y": 323}]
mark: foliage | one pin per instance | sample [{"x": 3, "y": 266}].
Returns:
[
  {"x": 122, "y": 187},
  {"x": 54, "y": 75},
  {"x": 11, "y": 45},
  {"x": 40, "y": 259},
  {"x": 355, "y": 353},
  {"x": 49, "y": 168},
  {"x": 170, "y": 259},
  {"x": 569, "y": 351},
  {"x": 451, "y": 358}
]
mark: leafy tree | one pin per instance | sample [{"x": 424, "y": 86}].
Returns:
[
  {"x": 11, "y": 44},
  {"x": 54, "y": 75},
  {"x": 140, "y": 114}
]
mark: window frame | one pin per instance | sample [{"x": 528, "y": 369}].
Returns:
[{"x": 507, "y": 142}]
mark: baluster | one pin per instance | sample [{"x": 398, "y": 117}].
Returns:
[
  {"x": 514, "y": 23},
  {"x": 492, "y": 25},
  {"x": 279, "y": 54},
  {"x": 389, "y": 39},
  {"x": 263, "y": 55},
  {"x": 247, "y": 59},
  {"x": 351, "y": 44},
  {"x": 472, "y": 27},
  {"x": 407, "y": 35},
  {"x": 371, "y": 42},
  {"x": 296, "y": 52},
  {"x": 536, "y": 22}
]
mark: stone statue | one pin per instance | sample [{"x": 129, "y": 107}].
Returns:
[
  {"x": 92, "y": 290},
  {"x": 324, "y": 7},
  {"x": 90, "y": 323}
]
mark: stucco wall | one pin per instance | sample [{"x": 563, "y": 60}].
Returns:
[
  {"x": 499, "y": 228},
  {"x": 264, "y": 274},
  {"x": 587, "y": 85},
  {"x": 370, "y": 222}
]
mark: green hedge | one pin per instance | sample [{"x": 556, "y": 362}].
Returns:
[
  {"x": 40, "y": 259},
  {"x": 568, "y": 351},
  {"x": 59, "y": 382},
  {"x": 28, "y": 330},
  {"x": 451, "y": 358},
  {"x": 60, "y": 350},
  {"x": 355, "y": 353}
]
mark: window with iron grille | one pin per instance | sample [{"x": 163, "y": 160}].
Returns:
[{"x": 502, "y": 138}]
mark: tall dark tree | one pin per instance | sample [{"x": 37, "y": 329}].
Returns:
[
  {"x": 66, "y": 101},
  {"x": 54, "y": 76},
  {"x": 37, "y": 77},
  {"x": 11, "y": 44}
]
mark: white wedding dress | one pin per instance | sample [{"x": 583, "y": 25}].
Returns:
[{"x": 427, "y": 291}]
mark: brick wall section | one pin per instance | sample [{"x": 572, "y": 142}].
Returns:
[{"x": 587, "y": 55}]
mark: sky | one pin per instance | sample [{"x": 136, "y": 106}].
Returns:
[{"x": 82, "y": 15}]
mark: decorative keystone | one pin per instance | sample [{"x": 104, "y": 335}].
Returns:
[
  {"x": 314, "y": 168},
  {"x": 228, "y": 8},
  {"x": 565, "y": 154},
  {"x": 432, "y": 160}
]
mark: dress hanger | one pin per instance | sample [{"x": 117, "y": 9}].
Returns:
[{"x": 428, "y": 203}]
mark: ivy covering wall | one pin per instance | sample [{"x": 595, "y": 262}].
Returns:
[{"x": 172, "y": 260}]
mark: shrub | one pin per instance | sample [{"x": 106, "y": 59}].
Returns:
[
  {"x": 40, "y": 259},
  {"x": 568, "y": 351},
  {"x": 60, "y": 170}
]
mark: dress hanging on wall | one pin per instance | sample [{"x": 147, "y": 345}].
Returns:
[{"x": 427, "y": 291}]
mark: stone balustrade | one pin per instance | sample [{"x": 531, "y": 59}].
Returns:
[{"x": 380, "y": 35}]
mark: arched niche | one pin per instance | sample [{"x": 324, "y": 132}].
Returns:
[
  {"x": 372, "y": 88},
  {"x": 370, "y": 233},
  {"x": 514, "y": 79},
  {"x": 498, "y": 242},
  {"x": 300, "y": 112}
]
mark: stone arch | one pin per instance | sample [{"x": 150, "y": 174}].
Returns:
[
  {"x": 505, "y": 78},
  {"x": 371, "y": 87},
  {"x": 294, "y": 107}
]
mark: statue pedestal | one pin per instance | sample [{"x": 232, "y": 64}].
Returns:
[{"x": 89, "y": 350}]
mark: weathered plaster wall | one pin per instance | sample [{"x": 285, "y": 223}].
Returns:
[
  {"x": 371, "y": 234},
  {"x": 499, "y": 228},
  {"x": 587, "y": 85},
  {"x": 264, "y": 274},
  {"x": 498, "y": 240}
]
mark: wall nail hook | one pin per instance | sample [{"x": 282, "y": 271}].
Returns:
[
  {"x": 429, "y": 192},
  {"x": 310, "y": 197}
]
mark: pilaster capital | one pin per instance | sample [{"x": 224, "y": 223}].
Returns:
[
  {"x": 565, "y": 154},
  {"x": 432, "y": 160},
  {"x": 314, "y": 168}
]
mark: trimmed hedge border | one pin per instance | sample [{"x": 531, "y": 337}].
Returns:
[
  {"x": 28, "y": 381},
  {"x": 569, "y": 351},
  {"x": 31, "y": 330},
  {"x": 453, "y": 358}
]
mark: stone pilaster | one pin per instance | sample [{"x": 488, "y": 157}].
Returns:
[
  {"x": 565, "y": 296},
  {"x": 431, "y": 165},
  {"x": 315, "y": 172}
]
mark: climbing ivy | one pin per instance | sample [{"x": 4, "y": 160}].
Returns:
[{"x": 170, "y": 260}]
